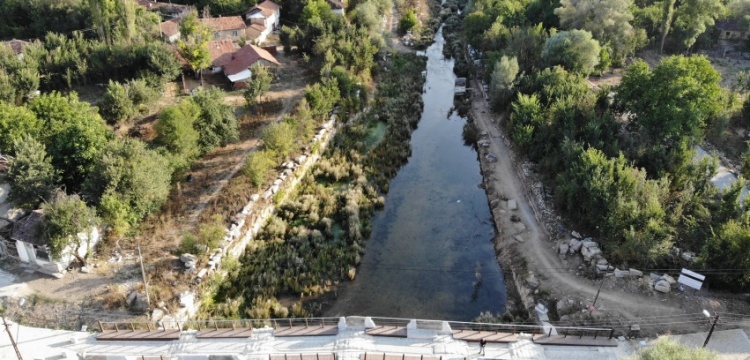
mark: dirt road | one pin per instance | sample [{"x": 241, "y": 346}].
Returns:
[{"x": 505, "y": 182}]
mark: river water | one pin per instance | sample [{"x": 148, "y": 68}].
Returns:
[{"x": 430, "y": 254}]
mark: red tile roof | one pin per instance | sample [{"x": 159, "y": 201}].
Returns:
[
  {"x": 253, "y": 31},
  {"x": 221, "y": 49},
  {"x": 224, "y": 23},
  {"x": 267, "y": 8},
  {"x": 245, "y": 57},
  {"x": 170, "y": 28}
]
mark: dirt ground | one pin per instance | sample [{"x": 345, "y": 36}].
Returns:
[{"x": 621, "y": 302}]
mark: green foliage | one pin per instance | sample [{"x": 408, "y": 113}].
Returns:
[
  {"x": 667, "y": 349},
  {"x": 211, "y": 233},
  {"x": 128, "y": 181},
  {"x": 64, "y": 219},
  {"x": 258, "y": 85},
  {"x": 503, "y": 81},
  {"x": 116, "y": 106},
  {"x": 73, "y": 134},
  {"x": 666, "y": 120},
  {"x": 322, "y": 97},
  {"x": 278, "y": 139},
  {"x": 30, "y": 173},
  {"x": 257, "y": 167},
  {"x": 193, "y": 45},
  {"x": 608, "y": 21},
  {"x": 175, "y": 132},
  {"x": 727, "y": 249},
  {"x": 693, "y": 17},
  {"x": 23, "y": 19},
  {"x": 216, "y": 125},
  {"x": 16, "y": 123},
  {"x": 575, "y": 50},
  {"x": 408, "y": 21}
]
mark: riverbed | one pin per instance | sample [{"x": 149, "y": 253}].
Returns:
[{"x": 430, "y": 253}]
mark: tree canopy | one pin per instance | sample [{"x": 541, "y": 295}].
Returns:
[
  {"x": 575, "y": 50},
  {"x": 30, "y": 173},
  {"x": 64, "y": 219}
]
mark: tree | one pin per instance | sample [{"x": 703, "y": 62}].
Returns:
[
  {"x": 114, "y": 20},
  {"x": 175, "y": 131},
  {"x": 16, "y": 123},
  {"x": 408, "y": 21},
  {"x": 650, "y": 97},
  {"x": 527, "y": 44},
  {"x": 30, "y": 173},
  {"x": 216, "y": 125},
  {"x": 73, "y": 134},
  {"x": 666, "y": 24},
  {"x": 695, "y": 16},
  {"x": 667, "y": 349},
  {"x": 128, "y": 182},
  {"x": 66, "y": 224},
  {"x": 116, "y": 106},
  {"x": 322, "y": 97},
  {"x": 502, "y": 81},
  {"x": 607, "y": 20},
  {"x": 257, "y": 167},
  {"x": 575, "y": 50},
  {"x": 258, "y": 85},
  {"x": 278, "y": 138},
  {"x": 194, "y": 44}
]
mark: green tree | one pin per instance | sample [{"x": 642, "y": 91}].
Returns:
[
  {"x": 129, "y": 182},
  {"x": 503, "y": 81},
  {"x": 322, "y": 97},
  {"x": 693, "y": 17},
  {"x": 16, "y": 123},
  {"x": 278, "y": 138},
  {"x": 193, "y": 46},
  {"x": 649, "y": 96},
  {"x": 216, "y": 125},
  {"x": 175, "y": 131},
  {"x": 607, "y": 20},
  {"x": 65, "y": 219},
  {"x": 667, "y": 349},
  {"x": 666, "y": 23},
  {"x": 258, "y": 85},
  {"x": 73, "y": 133},
  {"x": 30, "y": 173},
  {"x": 116, "y": 106},
  {"x": 575, "y": 50},
  {"x": 257, "y": 167},
  {"x": 408, "y": 21}
]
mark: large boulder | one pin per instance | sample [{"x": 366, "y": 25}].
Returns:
[
  {"x": 621, "y": 273},
  {"x": 575, "y": 245},
  {"x": 662, "y": 286},
  {"x": 563, "y": 249},
  {"x": 636, "y": 273},
  {"x": 566, "y": 307},
  {"x": 532, "y": 281},
  {"x": 188, "y": 257},
  {"x": 590, "y": 252},
  {"x": 668, "y": 279}
]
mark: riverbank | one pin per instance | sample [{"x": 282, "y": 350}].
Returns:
[{"x": 525, "y": 248}]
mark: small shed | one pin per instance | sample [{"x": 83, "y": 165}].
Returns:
[
  {"x": 732, "y": 29},
  {"x": 27, "y": 244}
]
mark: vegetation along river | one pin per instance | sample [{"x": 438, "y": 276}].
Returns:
[{"x": 430, "y": 253}]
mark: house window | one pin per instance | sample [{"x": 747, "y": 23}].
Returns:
[
  {"x": 728, "y": 33},
  {"x": 234, "y": 33}
]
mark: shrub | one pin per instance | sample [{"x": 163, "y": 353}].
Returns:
[{"x": 257, "y": 166}]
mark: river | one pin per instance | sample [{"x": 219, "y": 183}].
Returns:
[{"x": 430, "y": 253}]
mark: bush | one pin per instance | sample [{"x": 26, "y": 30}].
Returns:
[
  {"x": 278, "y": 139},
  {"x": 408, "y": 21},
  {"x": 257, "y": 167}
]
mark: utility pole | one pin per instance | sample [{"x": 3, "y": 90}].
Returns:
[
  {"x": 593, "y": 305},
  {"x": 143, "y": 273},
  {"x": 716, "y": 320},
  {"x": 12, "y": 341}
]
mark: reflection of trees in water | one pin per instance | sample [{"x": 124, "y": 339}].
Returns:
[{"x": 477, "y": 281}]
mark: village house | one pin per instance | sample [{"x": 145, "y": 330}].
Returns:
[
  {"x": 227, "y": 27},
  {"x": 167, "y": 10},
  {"x": 221, "y": 53},
  {"x": 170, "y": 30},
  {"x": 338, "y": 7},
  {"x": 261, "y": 20},
  {"x": 26, "y": 243},
  {"x": 732, "y": 29},
  {"x": 237, "y": 66}
]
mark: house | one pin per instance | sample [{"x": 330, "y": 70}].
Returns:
[
  {"x": 170, "y": 30},
  {"x": 28, "y": 246},
  {"x": 167, "y": 10},
  {"x": 17, "y": 46},
  {"x": 732, "y": 29},
  {"x": 260, "y": 20},
  {"x": 226, "y": 27},
  {"x": 338, "y": 7},
  {"x": 221, "y": 53},
  {"x": 237, "y": 67}
]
